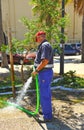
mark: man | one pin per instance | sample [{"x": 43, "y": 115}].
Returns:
[{"x": 44, "y": 64}]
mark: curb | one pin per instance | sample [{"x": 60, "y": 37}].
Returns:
[{"x": 52, "y": 88}]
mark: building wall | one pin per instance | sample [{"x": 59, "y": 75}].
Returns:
[
  {"x": 14, "y": 10},
  {"x": 74, "y": 29}
]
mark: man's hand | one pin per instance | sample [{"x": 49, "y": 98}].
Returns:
[
  {"x": 34, "y": 73},
  {"x": 43, "y": 63}
]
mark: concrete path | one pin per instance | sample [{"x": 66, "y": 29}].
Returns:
[
  {"x": 18, "y": 120},
  {"x": 72, "y": 63}
]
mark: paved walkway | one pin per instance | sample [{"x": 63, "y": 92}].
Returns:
[
  {"x": 18, "y": 120},
  {"x": 70, "y": 63}
]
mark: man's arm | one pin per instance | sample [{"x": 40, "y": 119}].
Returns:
[{"x": 43, "y": 63}]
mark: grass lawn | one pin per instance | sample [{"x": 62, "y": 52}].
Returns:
[{"x": 4, "y": 98}]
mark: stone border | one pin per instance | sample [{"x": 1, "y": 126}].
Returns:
[
  {"x": 67, "y": 89},
  {"x": 52, "y": 88}
]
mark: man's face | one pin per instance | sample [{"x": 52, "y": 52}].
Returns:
[{"x": 40, "y": 38}]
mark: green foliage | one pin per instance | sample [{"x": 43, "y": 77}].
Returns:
[
  {"x": 70, "y": 80},
  {"x": 47, "y": 17},
  {"x": 6, "y": 79},
  {"x": 4, "y": 48},
  {"x": 31, "y": 26},
  {"x": 7, "y": 82},
  {"x": 2, "y": 99},
  {"x": 15, "y": 48}
]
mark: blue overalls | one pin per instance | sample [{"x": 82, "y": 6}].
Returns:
[{"x": 45, "y": 77}]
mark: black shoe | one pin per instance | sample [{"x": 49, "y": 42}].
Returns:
[
  {"x": 40, "y": 112},
  {"x": 42, "y": 120}
]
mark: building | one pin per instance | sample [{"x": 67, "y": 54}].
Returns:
[
  {"x": 14, "y": 10},
  {"x": 74, "y": 29}
]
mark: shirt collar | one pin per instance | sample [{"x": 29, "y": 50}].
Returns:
[{"x": 42, "y": 42}]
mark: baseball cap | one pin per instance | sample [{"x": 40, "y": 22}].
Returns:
[{"x": 39, "y": 33}]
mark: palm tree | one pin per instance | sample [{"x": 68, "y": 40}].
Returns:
[
  {"x": 4, "y": 57},
  {"x": 79, "y": 8},
  {"x": 1, "y": 30},
  {"x": 82, "y": 60},
  {"x": 49, "y": 15}
]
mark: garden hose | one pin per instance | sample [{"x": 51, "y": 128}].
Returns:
[{"x": 37, "y": 101}]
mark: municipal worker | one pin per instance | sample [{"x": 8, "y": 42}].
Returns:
[{"x": 44, "y": 64}]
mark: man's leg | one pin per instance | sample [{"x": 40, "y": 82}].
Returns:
[{"x": 45, "y": 78}]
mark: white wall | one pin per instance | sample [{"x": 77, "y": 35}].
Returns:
[
  {"x": 13, "y": 10},
  {"x": 74, "y": 29}
]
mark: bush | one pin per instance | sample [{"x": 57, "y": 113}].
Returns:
[{"x": 70, "y": 80}]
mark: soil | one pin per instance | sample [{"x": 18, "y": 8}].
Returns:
[
  {"x": 69, "y": 108},
  {"x": 68, "y": 113}
]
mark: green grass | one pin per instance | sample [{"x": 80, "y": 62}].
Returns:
[
  {"x": 2, "y": 99},
  {"x": 4, "y": 83},
  {"x": 7, "y": 82}
]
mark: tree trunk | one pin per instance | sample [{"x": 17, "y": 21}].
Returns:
[
  {"x": 49, "y": 23},
  {"x": 1, "y": 30},
  {"x": 4, "y": 57},
  {"x": 82, "y": 60},
  {"x": 4, "y": 63}
]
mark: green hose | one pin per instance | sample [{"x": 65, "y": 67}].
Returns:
[{"x": 37, "y": 103}]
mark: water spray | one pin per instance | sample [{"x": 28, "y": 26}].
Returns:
[{"x": 22, "y": 108}]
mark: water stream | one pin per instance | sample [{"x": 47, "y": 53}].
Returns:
[
  {"x": 23, "y": 91},
  {"x": 11, "y": 108}
]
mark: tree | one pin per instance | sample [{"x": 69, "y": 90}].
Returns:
[
  {"x": 4, "y": 57},
  {"x": 47, "y": 17},
  {"x": 79, "y": 8}
]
